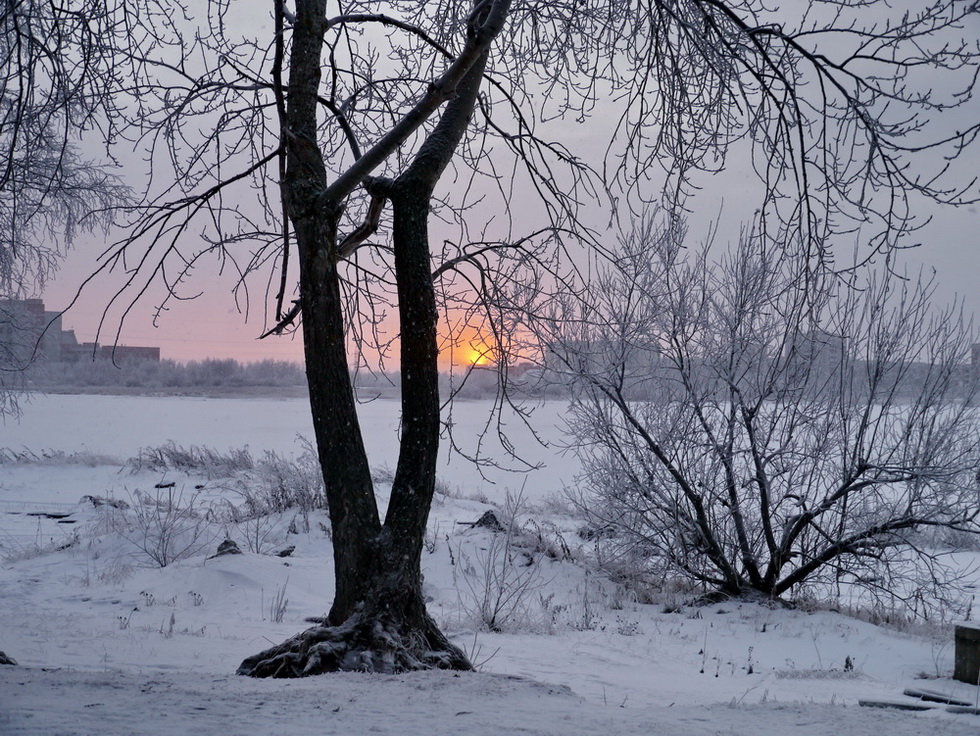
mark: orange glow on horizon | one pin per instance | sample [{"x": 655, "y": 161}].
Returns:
[
  {"x": 477, "y": 355},
  {"x": 469, "y": 350},
  {"x": 478, "y": 358}
]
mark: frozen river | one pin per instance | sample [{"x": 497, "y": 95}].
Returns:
[{"x": 120, "y": 425}]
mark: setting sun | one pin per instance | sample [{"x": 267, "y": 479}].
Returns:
[
  {"x": 469, "y": 345},
  {"x": 471, "y": 350},
  {"x": 477, "y": 356}
]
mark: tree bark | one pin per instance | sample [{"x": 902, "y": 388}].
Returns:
[{"x": 378, "y": 620}]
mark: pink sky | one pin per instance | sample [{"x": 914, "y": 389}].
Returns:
[{"x": 213, "y": 325}]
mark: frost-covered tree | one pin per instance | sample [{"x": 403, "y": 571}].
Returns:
[
  {"x": 756, "y": 427},
  {"x": 54, "y": 61}
]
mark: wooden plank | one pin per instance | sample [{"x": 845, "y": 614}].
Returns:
[
  {"x": 894, "y": 705},
  {"x": 963, "y": 709},
  {"x": 935, "y": 696}
]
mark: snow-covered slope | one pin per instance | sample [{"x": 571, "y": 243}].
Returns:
[{"x": 109, "y": 642}]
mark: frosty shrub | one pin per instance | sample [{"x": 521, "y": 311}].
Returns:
[
  {"x": 260, "y": 533},
  {"x": 292, "y": 483},
  {"x": 278, "y": 483},
  {"x": 754, "y": 424},
  {"x": 165, "y": 527},
  {"x": 497, "y": 581},
  {"x": 24, "y": 456},
  {"x": 205, "y": 461},
  {"x": 15, "y": 549},
  {"x": 278, "y": 604}
]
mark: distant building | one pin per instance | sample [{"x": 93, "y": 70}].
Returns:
[{"x": 30, "y": 333}]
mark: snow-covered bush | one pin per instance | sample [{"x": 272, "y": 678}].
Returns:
[
  {"x": 165, "y": 527},
  {"x": 194, "y": 459},
  {"x": 277, "y": 483},
  {"x": 755, "y": 424},
  {"x": 499, "y": 578}
]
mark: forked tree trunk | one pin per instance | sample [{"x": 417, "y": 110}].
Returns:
[{"x": 378, "y": 620}]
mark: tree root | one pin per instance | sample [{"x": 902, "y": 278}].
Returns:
[{"x": 363, "y": 643}]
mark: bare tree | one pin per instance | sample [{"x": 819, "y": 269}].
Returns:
[
  {"x": 755, "y": 427},
  {"x": 280, "y": 154},
  {"x": 55, "y": 60}
]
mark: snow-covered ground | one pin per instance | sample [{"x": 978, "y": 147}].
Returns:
[{"x": 109, "y": 643}]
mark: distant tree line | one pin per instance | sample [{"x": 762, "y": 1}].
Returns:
[{"x": 168, "y": 374}]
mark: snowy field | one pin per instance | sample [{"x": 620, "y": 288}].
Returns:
[{"x": 109, "y": 642}]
